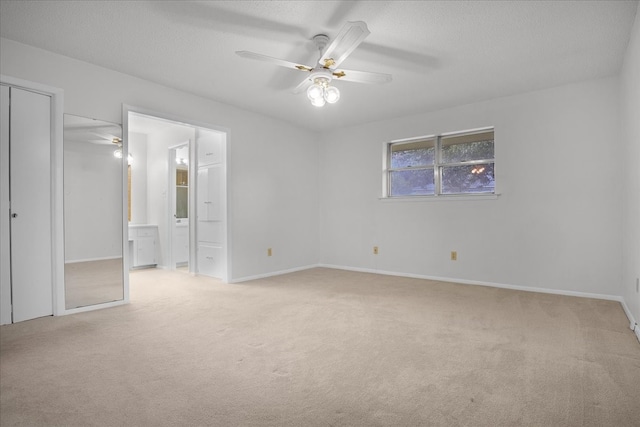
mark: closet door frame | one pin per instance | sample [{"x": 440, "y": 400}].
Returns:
[{"x": 57, "y": 194}]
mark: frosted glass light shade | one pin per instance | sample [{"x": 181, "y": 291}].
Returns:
[
  {"x": 318, "y": 102},
  {"x": 331, "y": 94},
  {"x": 315, "y": 91}
]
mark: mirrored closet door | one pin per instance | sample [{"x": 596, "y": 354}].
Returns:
[{"x": 93, "y": 173}]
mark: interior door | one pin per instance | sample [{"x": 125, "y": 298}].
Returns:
[
  {"x": 5, "y": 248},
  {"x": 30, "y": 194}
]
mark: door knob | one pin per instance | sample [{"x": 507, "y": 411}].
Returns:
[{"x": 14, "y": 215}]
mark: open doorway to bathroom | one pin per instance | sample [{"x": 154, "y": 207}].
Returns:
[
  {"x": 178, "y": 195},
  {"x": 178, "y": 221}
]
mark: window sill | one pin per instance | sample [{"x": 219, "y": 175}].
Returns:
[{"x": 442, "y": 198}]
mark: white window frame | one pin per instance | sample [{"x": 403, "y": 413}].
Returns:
[{"x": 437, "y": 165}]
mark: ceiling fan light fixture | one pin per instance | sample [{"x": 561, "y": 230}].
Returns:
[
  {"x": 331, "y": 94},
  {"x": 315, "y": 92},
  {"x": 118, "y": 151},
  {"x": 318, "y": 102},
  {"x": 331, "y": 56}
]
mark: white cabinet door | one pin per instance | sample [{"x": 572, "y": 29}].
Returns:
[
  {"x": 210, "y": 193},
  {"x": 210, "y": 261},
  {"x": 30, "y": 193},
  {"x": 211, "y": 204},
  {"x": 209, "y": 148},
  {"x": 145, "y": 250}
]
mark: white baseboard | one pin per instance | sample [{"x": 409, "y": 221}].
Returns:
[
  {"x": 274, "y": 273},
  {"x": 480, "y": 283},
  {"x": 633, "y": 325},
  {"x": 73, "y": 261}
]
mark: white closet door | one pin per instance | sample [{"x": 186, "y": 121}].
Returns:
[
  {"x": 30, "y": 192},
  {"x": 5, "y": 250}
]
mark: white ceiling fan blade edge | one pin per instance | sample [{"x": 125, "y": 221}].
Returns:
[
  {"x": 349, "y": 38},
  {"x": 361, "y": 76},
  {"x": 276, "y": 61}
]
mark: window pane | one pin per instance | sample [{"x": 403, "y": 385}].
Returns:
[
  {"x": 417, "y": 182},
  {"x": 412, "y": 154},
  {"x": 468, "y": 179},
  {"x": 463, "y": 148}
]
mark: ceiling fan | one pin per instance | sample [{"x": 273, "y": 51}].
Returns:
[{"x": 316, "y": 83}]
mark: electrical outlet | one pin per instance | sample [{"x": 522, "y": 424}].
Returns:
[
  {"x": 454, "y": 256},
  {"x": 375, "y": 250},
  {"x": 269, "y": 252}
]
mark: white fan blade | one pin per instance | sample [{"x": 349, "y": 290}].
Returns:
[
  {"x": 302, "y": 86},
  {"x": 350, "y": 36},
  {"x": 280, "y": 62},
  {"x": 361, "y": 76}
]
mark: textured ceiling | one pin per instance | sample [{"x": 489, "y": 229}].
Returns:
[{"x": 440, "y": 54}]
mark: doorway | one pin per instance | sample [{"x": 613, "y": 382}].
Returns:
[
  {"x": 178, "y": 189},
  {"x": 178, "y": 220}
]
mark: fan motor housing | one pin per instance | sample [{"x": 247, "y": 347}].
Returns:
[
  {"x": 321, "y": 41},
  {"x": 321, "y": 73}
]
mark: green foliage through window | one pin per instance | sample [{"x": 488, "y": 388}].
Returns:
[{"x": 453, "y": 164}]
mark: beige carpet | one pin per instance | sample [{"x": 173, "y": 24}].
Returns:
[{"x": 323, "y": 348}]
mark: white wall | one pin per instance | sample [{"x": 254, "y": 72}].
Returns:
[
  {"x": 138, "y": 151},
  {"x": 556, "y": 224},
  {"x": 630, "y": 97},
  {"x": 93, "y": 222},
  {"x": 273, "y": 172}
]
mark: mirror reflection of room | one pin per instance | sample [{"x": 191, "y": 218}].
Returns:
[{"x": 92, "y": 211}]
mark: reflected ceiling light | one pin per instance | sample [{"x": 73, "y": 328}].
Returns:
[
  {"x": 320, "y": 92},
  {"x": 118, "y": 152}
]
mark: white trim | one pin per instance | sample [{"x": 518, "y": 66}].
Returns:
[
  {"x": 442, "y": 197},
  {"x": 73, "y": 261},
  {"x": 481, "y": 283},
  {"x": 274, "y": 273},
  {"x": 633, "y": 325},
  {"x": 95, "y": 307}
]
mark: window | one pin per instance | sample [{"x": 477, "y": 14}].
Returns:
[{"x": 461, "y": 163}]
